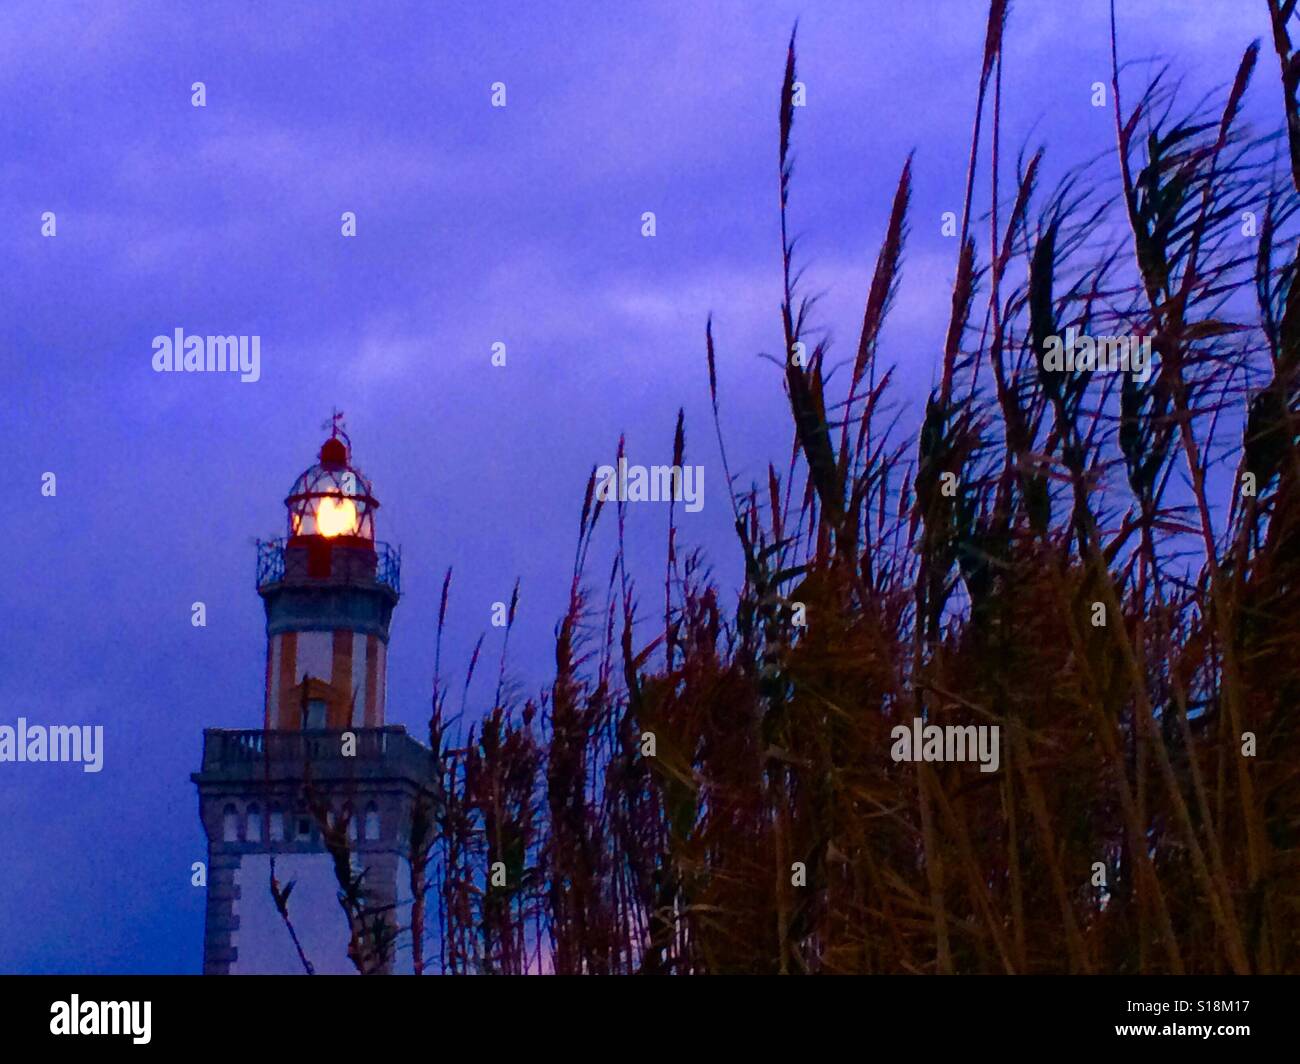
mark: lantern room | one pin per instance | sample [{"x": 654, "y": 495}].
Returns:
[{"x": 332, "y": 499}]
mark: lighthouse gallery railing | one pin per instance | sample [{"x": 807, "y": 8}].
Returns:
[{"x": 270, "y": 564}]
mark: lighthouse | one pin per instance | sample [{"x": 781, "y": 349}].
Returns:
[{"x": 324, "y": 793}]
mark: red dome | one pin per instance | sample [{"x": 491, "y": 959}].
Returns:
[{"x": 333, "y": 453}]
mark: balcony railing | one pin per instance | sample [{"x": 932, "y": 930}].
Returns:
[
  {"x": 270, "y": 561},
  {"x": 251, "y": 754},
  {"x": 271, "y": 564}
]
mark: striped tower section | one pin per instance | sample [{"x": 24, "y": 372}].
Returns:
[{"x": 352, "y": 664}]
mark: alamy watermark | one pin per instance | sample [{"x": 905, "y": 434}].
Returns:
[
  {"x": 951, "y": 742},
  {"x": 179, "y": 353},
  {"x": 1098, "y": 354},
  {"x": 102, "y": 1017},
  {"x": 660, "y": 483},
  {"x": 76, "y": 743}
]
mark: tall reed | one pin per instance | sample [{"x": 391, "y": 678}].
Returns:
[{"x": 651, "y": 808}]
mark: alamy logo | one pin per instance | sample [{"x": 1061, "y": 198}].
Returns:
[
  {"x": 208, "y": 354},
  {"x": 661, "y": 483},
  {"x": 102, "y": 1017},
  {"x": 59, "y": 742},
  {"x": 1099, "y": 354},
  {"x": 930, "y": 742}
]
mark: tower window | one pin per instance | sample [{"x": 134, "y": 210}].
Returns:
[
  {"x": 315, "y": 714},
  {"x": 253, "y": 828},
  {"x": 277, "y": 824},
  {"x": 230, "y": 824},
  {"x": 372, "y": 822}
]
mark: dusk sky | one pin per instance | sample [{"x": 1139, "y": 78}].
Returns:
[{"x": 474, "y": 225}]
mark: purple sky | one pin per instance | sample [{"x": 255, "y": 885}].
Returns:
[{"x": 475, "y": 225}]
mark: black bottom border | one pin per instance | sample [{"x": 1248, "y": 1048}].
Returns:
[{"x": 526, "y": 1013}]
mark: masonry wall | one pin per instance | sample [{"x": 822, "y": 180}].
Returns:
[
  {"x": 244, "y": 933},
  {"x": 263, "y": 942}
]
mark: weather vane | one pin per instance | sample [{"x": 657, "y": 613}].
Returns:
[{"x": 335, "y": 425}]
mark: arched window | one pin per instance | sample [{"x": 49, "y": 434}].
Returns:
[
  {"x": 253, "y": 826},
  {"x": 372, "y": 822},
  {"x": 352, "y": 823},
  {"x": 230, "y": 824},
  {"x": 277, "y": 824}
]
